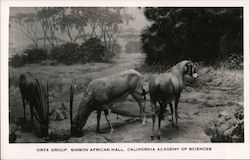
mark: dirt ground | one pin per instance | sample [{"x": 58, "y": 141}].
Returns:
[{"x": 198, "y": 104}]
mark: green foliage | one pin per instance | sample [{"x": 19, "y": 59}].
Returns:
[
  {"x": 133, "y": 47},
  {"x": 200, "y": 34}
]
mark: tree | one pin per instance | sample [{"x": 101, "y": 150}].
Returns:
[
  {"x": 66, "y": 22},
  {"x": 110, "y": 20},
  {"x": 48, "y": 18},
  {"x": 196, "y": 33},
  {"x": 81, "y": 21},
  {"x": 104, "y": 23},
  {"x": 27, "y": 23}
]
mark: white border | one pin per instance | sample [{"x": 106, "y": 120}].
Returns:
[{"x": 28, "y": 151}]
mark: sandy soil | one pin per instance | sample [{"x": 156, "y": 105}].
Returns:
[{"x": 198, "y": 105}]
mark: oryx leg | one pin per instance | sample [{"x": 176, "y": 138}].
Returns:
[
  {"x": 176, "y": 111},
  {"x": 24, "y": 108},
  {"x": 98, "y": 117},
  {"x": 106, "y": 112},
  {"x": 172, "y": 114},
  {"x": 31, "y": 113},
  {"x": 160, "y": 117},
  {"x": 159, "y": 126},
  {"x": 139, "y": 100},
  {"x": 153, "y": 106}
]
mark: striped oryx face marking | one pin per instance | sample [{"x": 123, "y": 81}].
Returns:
[{"x": 191, "y": 71}]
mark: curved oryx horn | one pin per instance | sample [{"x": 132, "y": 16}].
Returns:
[{"x": 71, "y": 103}]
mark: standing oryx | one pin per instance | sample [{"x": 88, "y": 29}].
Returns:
[
  {"x": 35, "y": 93},
  {"x": 101, "y": 93},
  {"x": 167, "y": 87}
]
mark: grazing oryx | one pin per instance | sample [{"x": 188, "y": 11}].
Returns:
[
  {"x": 101, "y": 93},
  {"x": 35, "y": 93},
  {"x": 167, "y": 87}
]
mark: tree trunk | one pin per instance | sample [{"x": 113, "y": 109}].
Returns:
[{"x": 70, "y": 37}]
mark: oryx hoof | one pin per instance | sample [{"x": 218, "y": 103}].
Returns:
[
  {"x": 152, "y": 137},
  {"x": 111, "y": 131},
  {"x": 158, "y": 137},
  {"x": 76, "y": 134}
]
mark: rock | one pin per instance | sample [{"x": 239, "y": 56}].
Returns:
[
  {"x": 58, "y": 114},
  {"x": 210, "y": 128},
  {"x": 196, "y": 113},
  {"x": 227, "y": 127},
  {"x": 12, "y": 137},
  {"x": 59, "y": 135},
  {"x": 14, "y": 131},
  {"x": 221, "y": 128},
  {"x": 223, "y": 113},
  {"x": 228, "y": 132},
  {"x": 204, "y": 70},
  {"x": 239, "y": 114}
]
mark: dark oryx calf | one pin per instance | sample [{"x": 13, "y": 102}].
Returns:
[{"x": 35, "y": 93}]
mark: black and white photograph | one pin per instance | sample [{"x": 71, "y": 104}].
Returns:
[{"x": 126, "y": 75}]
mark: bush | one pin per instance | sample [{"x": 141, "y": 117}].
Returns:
[
  {"x": 93, "y": 50},
  {"x": 227, "y": 127},
  {"x": 34, "y": 55},
  {"x": 90, "y": 51},
  {"x": 67, "y": 53},
  {"x": 16, "y": 61},
  {"x": 234, "y": 61},
  {"x": 30, "y": 55}
]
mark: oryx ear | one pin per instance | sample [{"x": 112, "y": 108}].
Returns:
[{"x": 187, "y": 64}]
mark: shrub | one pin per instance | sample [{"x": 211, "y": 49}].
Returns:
[
  {"x": 234, "y": 61},
  {"x": 16, "y": 61},
  {"x": 67, "y": 53},
  {"x": 30, "y": 55},
  {"x": 34, "y": 55},
  {"x": 93, "y": 50},
  {"x": 90, "y": 51}
]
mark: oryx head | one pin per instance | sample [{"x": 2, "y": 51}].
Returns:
[{"x": 190, "y": 69}]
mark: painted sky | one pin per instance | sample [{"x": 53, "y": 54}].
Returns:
[{"x": 18, "y": 40}]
